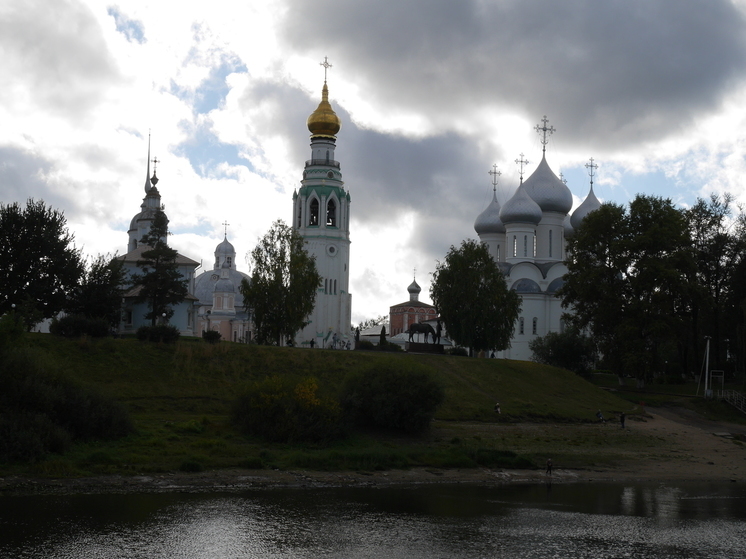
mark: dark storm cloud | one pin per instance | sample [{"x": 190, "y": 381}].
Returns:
[
  {"x": 617, "y": 72},
  {"x": 23, "y": 176},
  {"x": 443, "y": 179},
  {"x": 55, "y": 53}
]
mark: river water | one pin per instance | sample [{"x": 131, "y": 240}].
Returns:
[{"x": 429, "y": 521}]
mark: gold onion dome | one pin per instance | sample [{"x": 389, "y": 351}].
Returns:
[{"x": 324, "y": 121}]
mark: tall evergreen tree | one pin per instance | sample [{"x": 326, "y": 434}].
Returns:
[
  {"x": 472, "y": 297},
  {"x": 40, "y": 264},
  {"x": 284, "y": 282},
  {"x": 161, "y": 284}
]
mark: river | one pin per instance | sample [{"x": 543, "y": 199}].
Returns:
[{"x": 391, "y": 522}]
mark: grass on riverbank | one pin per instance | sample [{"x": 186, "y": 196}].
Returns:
[{"x": 180, "y": 396}]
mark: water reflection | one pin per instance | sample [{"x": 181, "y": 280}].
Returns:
[{"x": 415, "y": 522}]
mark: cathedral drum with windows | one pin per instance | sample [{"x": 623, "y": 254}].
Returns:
[{"x": 321, "y": 216}]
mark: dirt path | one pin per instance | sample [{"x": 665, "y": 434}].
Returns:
[{"x": 692, "y": 448}]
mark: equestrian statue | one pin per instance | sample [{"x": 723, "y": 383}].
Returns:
[{"x": 420, "y": 328}]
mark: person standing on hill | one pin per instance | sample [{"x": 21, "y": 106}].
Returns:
[
  {"x": 549, "y": 467},
  {"x": 622, "y": 417}
]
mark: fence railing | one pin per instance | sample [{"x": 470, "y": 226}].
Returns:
[{"x": 733, "y": 398}]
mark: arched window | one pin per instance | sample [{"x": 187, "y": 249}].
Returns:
[
  {"x": 498, "y": 253},
  {"x": 534, "y": 238},
  {"x": 335, "y": 287},
  {"x": 331, "y": 213},
  {"x": 229, "y": 259},
  {"x": 525, "y": 245},
  {"x": 550, "y": 243},
  {"x": 314, "y": 217},
  {"x": 515, "y": 245},
  {"x": 534, "y": 326},
  {"x": 299, "y": 216},
  {"x": 327, "y": 156},
  {"x": 520, "y": 325}
]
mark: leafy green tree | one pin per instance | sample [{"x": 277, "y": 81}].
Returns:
[
  {"x": 99, "y": 294},
  {"x": 718, "y": 244},
  {"x": 473, "y": 299},
  {"x": 40, "y": 264},
  {"x": 284, "y": 281},
  {"x": 627, "y": 281},
  {"x": 570, "y": 350},
  {"x": 161, "y": 283}
]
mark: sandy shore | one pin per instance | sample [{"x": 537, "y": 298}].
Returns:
[{"x": 691, "y": 449}]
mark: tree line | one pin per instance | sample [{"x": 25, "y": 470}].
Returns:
[
  {"x": 651, "y": 283},
  {"x": 44, "y": 274}
]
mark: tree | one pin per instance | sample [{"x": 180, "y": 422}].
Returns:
[
  {"x": 473, "y": 299},
  {"x": 284, "y": 281},
  {"x": 40, "y": 264},
  {"x": 570, "y": 350},
  {"x": 161, "y": 283},
  {"x": 99, "y": 294},
  {"x": 627, "y": 282}
]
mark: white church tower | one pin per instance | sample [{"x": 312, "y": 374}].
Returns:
[{"x": 321, "y": 214}]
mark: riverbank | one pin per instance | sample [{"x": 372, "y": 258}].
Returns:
[{"x": 679, "y": 446}]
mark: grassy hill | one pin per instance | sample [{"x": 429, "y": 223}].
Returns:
[{"x": 180, "y": 396}]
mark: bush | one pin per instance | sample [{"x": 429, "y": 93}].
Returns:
[
  {"x": 284, "y": 410},
  {"x": 457, "y": 351},
  {"x": 366, "y": 345},
  {"x": 392, "y": 395},
  {"x": 41, "y": 412},
  {"x": 211, "y": 336},
  {"x": 162, "y": 333},
  {"x": 569, "y": 350},
  {"x": 75, "y": 326},
  {"x": 389, "y": 346}
]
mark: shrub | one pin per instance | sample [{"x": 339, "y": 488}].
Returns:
[
  {"x": 41, "y": 412},
  {"x": 284, "y": 410},
  {"x": 393, "y": 395},
  {"x": 569, "y": 350},
  {"x": 389, "y": 346},
  {"x": 75, "y": 326},
  {"x": 457, "y": 351},
  {"x": 211, "y": 336},
  {"x": 366, "y": 345},
  {"x": 162, "y": 333}
]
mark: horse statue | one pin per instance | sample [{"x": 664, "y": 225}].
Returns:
[{"x": 420, "y": 328}]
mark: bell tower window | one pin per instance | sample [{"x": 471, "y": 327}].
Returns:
[
  {"x": 331, "y": 214},
  {"x": 314, "y": 217}
]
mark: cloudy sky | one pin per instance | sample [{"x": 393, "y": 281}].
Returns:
[{"x": 431, "y": 94}]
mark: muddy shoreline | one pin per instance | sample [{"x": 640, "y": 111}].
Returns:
[{"x": 691, "y": 450}]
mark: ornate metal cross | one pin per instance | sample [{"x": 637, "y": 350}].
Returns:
[
  {"x": 592, "y": 167},
  {"x": 225, "y": 224},
  {"x": 522, "y": 162},
  {"x": 562, "y": 178},
  {"x": 544, "y": 131},
  {"x": 326, "y": 66},
  {"x": 155, "y": 162},
  {"x": 495, "y": 174}
]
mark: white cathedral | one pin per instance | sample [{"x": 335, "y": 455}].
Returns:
[{"x": 526, "y": 237}]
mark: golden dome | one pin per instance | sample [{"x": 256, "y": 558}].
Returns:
[{"x": 324, "y": 121}]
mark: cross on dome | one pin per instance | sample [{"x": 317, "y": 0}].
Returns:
[
  {"x": 326, "y": 66},
  {"x": 495, "y": 174},
  {"x": 562, "y": 178},
  {"x": 544, "y": 131},
  {"x": 591, "y": 167},
  {"x": 225, "y": 224},
  {"x": 521, "y": 162},
  {"x": 155, "y": 161}
]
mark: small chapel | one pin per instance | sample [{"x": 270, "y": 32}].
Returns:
[{"x": 526, "y": 237}]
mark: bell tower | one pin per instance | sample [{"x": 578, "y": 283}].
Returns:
[{"x": 321, "y": 215}]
